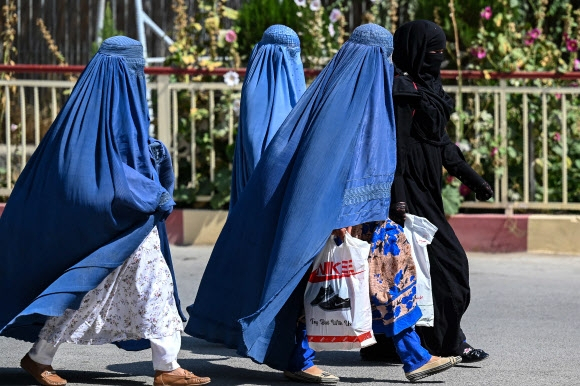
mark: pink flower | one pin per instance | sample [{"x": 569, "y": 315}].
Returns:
[
  {"x": 576, "y": 65},
  {"x": 572, "y": 45},
  {"x": 557, "y": 137},
  {"x": 331, "y": 31},
  {"x": 534, "y": 33},
  {"x": 236, "y": 106},
  {"x": 464, "y": 190},
  {"x": 494, "y": 152},
  {"x": 558, "y": 96},
  {"x": 13, "y": 127},
  {"x": 231, "y": 78},
  {"x": 335, "y": 15},
  {"x": 315, "y": 5},
  {"x": 486, "y": 13},
  {"x": 231, "y": 36},
  {"x": 529, "y": 41},
  {"x": 479, "y": 52}
]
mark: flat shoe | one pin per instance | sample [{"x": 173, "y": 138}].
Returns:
[
  {"x": 471, "y": 355},
  {"x": 432, "y": 368},
  {"x": 44, "y": 374},
  {"x": 302, "y": 376},
  {"x": 167, "y": 378}
]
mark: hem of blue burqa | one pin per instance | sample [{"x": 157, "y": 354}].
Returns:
[
  {"x": 290, "y": 222},
  {"x": 252, "y": 336},
  {"x": 69, "y": 289}
]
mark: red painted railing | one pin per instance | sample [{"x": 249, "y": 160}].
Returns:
[{"x": 446, "y": 74}]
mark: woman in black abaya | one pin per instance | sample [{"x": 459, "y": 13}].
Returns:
[{"x": 422, "y": 111}]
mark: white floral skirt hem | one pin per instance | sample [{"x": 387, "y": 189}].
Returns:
[{"x": 135, "y": 301}]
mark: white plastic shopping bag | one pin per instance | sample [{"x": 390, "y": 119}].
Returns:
[
  {"x": 420, "y": 232},
  {"x": 337, "y": 301}
]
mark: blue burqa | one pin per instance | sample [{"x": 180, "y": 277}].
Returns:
[
  {"x": 330, "y": 165},
  {"x": 90, "y": 194},
  {"x": 273, "y": 84}
]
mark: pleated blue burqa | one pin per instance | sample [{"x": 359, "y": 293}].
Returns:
[
  {"x": 90, "y": 194},
  {"x": 330, "y": 165},
  {"x": 273, "y": 84}
]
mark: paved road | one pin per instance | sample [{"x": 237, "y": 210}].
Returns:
[{"x": 525, "y": 312}]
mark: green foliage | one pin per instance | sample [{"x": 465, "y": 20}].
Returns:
[
  {"x": 212, "y": 147},
  {"x": 525, "y": 35},
  {"x": 467, "y": 15},
  {"x": 318, "y": 43},
  {"x": 451, "y": 199},
  {"x": 256, "y": 16},
  {"x": 108, "y": 29},
  {"x": 202, "y": 42},
  {"x": 518, "y": 35}
]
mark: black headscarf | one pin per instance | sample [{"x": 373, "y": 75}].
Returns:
[{"x": 413, "y": 42}]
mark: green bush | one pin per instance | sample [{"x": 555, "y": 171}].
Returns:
[
  {"x": 255, "y": 16},
  {"x": 312, "y": 26},
  {"x": 108, "y": 29}
]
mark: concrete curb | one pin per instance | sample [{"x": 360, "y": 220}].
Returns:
[
  {"x": 494, "y": 233},
  {"x": 489, "y": 233}
]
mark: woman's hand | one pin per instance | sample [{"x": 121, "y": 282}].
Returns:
[
  {"x": 340, "y": 233},
  {"x": 484, "y": 192},
  {"x": 399, "y": 213}
]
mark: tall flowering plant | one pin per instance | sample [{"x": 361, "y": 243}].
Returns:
[
  {"x": 527, "y": 36},
  {"x": 322, "y": 29},
  {"x": 203, "y": 41},
  {"x": 531, "y": 36},
  {"x": 200, "y": 40}
]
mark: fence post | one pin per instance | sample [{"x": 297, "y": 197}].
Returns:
[
  {"x": 503, "y": 132},
  {"x": 164, "y": 111}
]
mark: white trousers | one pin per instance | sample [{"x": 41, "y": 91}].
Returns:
[{"x": 164, "y": 352}]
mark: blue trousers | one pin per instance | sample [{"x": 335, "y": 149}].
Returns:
[
  {"x": 407, "y": 344},
  {"x": 302, "y": 355}
]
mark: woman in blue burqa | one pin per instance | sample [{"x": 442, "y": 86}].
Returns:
[
  {"x": 85, "y": 257},
  {"x": 273, "y": 84},
  {"x": 330, "y": 166}
]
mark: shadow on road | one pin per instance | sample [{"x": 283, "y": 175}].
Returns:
[{"x": 18, "y": 377}]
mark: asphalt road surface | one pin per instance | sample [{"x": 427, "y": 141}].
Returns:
[{"x": 525, "y": 312}]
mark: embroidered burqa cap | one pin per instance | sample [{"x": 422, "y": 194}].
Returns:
[
  {"x": 330, "y": 165},
  {"x": 88, "y": 196},
  {"x": 273, "y": 84}
]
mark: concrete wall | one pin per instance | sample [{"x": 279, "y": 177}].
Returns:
[{"x": 491, "y": 233}]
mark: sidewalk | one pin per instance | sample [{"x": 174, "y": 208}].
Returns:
[
  {"x": 489, "y": 233},
  {"x": 524, "y": 312}
]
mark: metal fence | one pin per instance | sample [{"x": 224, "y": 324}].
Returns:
[
  {"x": 73, "y": 25},
  {"x": 534, "y": 170},
  {"x": 197, "y": 121}
]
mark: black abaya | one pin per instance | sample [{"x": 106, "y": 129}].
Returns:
[{"x": 422, "y": 110}]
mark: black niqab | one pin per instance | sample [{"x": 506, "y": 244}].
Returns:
[{"x": 413, "y": 43}]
